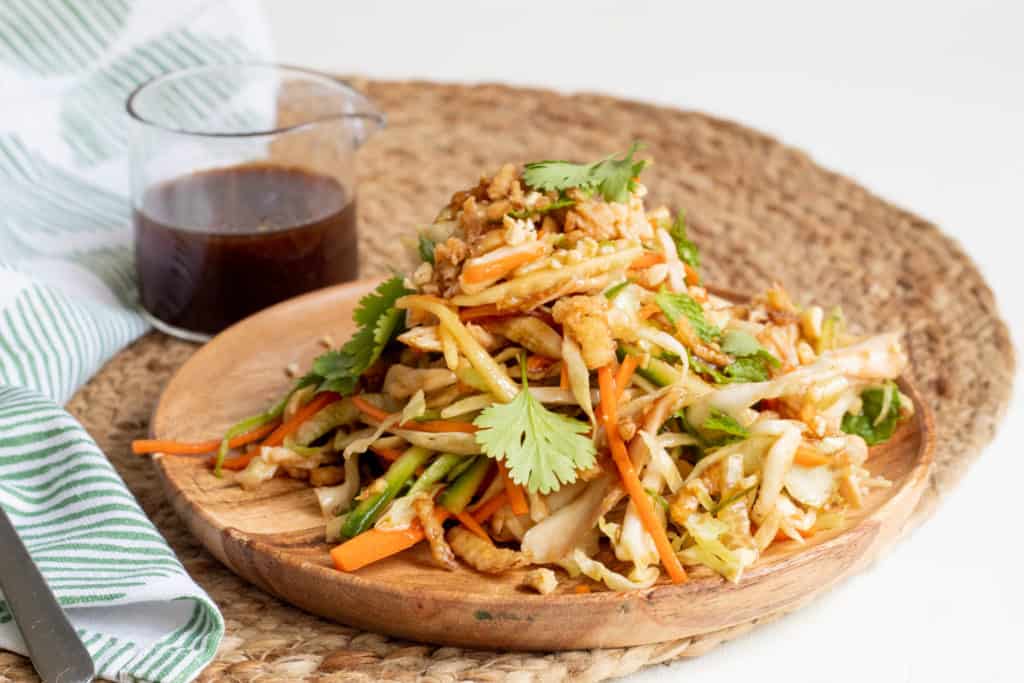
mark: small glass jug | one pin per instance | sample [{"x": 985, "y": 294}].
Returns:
[{"x": 243, "y": 190}]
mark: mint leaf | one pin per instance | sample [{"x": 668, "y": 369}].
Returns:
[
  {"x": 724, "y": 426},
  {"x": 740, "y": 343},
  {"x": 426, "y": 249},
  {"x": 871, "y": 424},
  {"x": 686, "y": 249},
  {"x": 676, "y": 306}
]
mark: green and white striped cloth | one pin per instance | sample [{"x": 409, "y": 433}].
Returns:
[{"x": 68, "y": 303}]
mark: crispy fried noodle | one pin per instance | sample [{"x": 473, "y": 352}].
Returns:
[{"x": 553, "y": 385}]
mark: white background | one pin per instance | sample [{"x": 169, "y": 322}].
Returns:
[{"x": 923, "y": 102}]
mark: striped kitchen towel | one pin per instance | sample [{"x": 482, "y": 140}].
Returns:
[{"x": 68, "y": 303}]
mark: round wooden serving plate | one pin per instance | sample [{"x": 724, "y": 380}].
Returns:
[{"x": 273, "y": 537}]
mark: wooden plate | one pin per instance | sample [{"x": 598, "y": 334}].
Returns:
[{"x": 273, "y": 537}]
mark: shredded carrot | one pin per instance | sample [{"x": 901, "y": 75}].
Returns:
[
  {"x": 389, "y": 454},
  {"x": 485, "y": 510},
  {"x": 808, "y": 457},
  {"x": 538, "y": 362},
  {"x": 581, "y": 589},
  {"x": 692, "y": 278},
  {"x": 470, "y": 523},
  {"x": 475, "y": 312},
  {"x": 500, "y": 267},
  {"x": 648, "y": 310},
  {"x": 307, "y": 411},
  {"x": 630, "y": 479},
  {"x": 563, "y": 380},
  {"x": 239, "y": 462},
  {"x": 141, "y": 446},
  {"x": 374, "y": 544},
  {"x": 516, "y": 495},
  {"x": 441, "y": 426},
  {"x": 437, "y": 426},
  {"x": 648, "y": 259},
  {"x": 624, "y": 375}
]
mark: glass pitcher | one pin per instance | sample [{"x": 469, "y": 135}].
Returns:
[{"x": 243, "y": 190}]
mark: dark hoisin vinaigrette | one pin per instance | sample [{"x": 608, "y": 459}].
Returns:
[{"x": 216, "y": 246}]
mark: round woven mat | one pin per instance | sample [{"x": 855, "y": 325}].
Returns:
[{"x": 760, "y": 212}]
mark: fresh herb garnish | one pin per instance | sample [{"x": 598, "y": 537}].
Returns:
[
  {"x": 753, "y": 362},
  {"x": 687, "y": 250},
  {"x": 613, "y": 178},
  {"x": 541, "y": 449},
  {"x": 723, "y": 427},
  {"x": 553, "y": 206},
  {"x": 379, "y": 321},
  {"x": 426, "y": 249},
  {"x": 676, "y": 306},
  {"x": 878, "y": 417},
  {"x": 719, "y": 429}
]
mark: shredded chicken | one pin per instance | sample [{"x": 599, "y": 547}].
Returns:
[
  {"x": 586, "y": 319},
  {"x": 448, "y": 258},
  {"x": 483, "y": 556},
  {"x": 542, "y": 580},
  {"x": 434, "y": 533}
]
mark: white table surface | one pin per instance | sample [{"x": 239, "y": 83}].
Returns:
[{"x": 923, "y": 102}]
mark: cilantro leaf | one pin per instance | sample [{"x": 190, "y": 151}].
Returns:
[
  {"x": 676, "y": 306},
  {"x": 687, "y": 250},
  {"x": 426, "y": 249},
  {"x": 542, "y": 449},
  {"x": 867, "y": 424},
  {"x": 553, "y": 206},
  {"x": 612, "y": 178},
  {"x": 379, "y": 321}
]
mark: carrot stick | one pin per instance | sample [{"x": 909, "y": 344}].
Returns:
[
  {"x": 563, "y": 380},
  {"x": 470, "y": 523},
  {"x": 440, "y": 426},
  {"x": 475, "y": 312},
  {"x": 389, "y": 454},
  {"x": 307, "y": 411},
  {"x": 374, "y": 544},
  {"x": 239, "y": 462},
  {"x": 630, "y": 479},
  {"x": 485, "y": 510},
  {"x": 692, "y": 278},
  {"x": 516, "y": 495},
  {"x": 624, "y": 375},
  {"x": 648, "y": 310},
  {"x": 499, "y": 268},
  {"x": 428, "y": 426},
  {"x": 537, "y": 362},
  {"x": 808, "y": 457},
  {"x": 141, "y": 446},
  {"x": 648, "y": 259}
]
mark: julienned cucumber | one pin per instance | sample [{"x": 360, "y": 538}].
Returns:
[
  {"x": 457, "y": 496},
  {"x": 655, "y": 370},
  {"x": 367, "y": 512},
  {"x": 437, "y": 470}
]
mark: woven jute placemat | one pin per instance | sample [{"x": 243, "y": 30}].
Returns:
[{"x": 760, "y": 211}]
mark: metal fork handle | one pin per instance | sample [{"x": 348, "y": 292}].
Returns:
[{"x": 57, "y": 652}]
